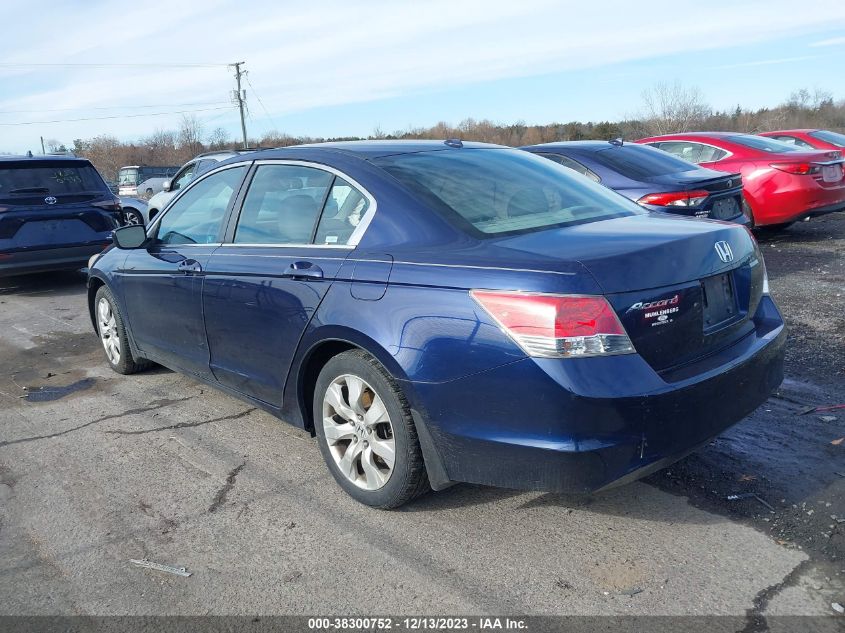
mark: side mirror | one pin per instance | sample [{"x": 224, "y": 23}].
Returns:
[
  {"x": 128, "y": 237},
  {"x": 165, "y": 186}
]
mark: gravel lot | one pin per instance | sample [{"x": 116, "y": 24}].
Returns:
[{"x": 97, "y": 469}]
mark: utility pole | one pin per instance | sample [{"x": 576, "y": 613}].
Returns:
[
  {"x": 42, "y": 145},
  {"x": 240, "y": 96}
]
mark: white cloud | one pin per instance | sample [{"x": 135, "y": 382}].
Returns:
[
  {"x": 324, "y": 53},
  {"x": 834, "y": 41}
]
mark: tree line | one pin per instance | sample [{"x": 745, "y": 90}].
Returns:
[{"x": 666, "y": 108}]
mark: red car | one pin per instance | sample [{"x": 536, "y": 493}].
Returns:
[
  {"x": 809, "y": 139},
  {"x": 782, "y": 184}
]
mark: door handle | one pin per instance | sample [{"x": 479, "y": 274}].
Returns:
[
  {"x": 189, "y": 266},
  {"x": 303, "y": 270}
]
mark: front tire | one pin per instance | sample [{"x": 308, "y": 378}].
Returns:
[
  {"x": 112, "y": 332},
  {"x": 366, "y": 433}
]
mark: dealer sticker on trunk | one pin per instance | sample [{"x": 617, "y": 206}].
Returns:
[{"x": 658, "y": 312}]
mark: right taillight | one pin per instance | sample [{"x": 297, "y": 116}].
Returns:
[
  {"x": 799, "y": 169},
  {"x": 557, "y": 326}
]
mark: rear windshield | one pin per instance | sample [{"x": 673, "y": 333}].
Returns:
[
  {"x": 639, "y": 162},
  {"x": 770, "y": 145},
  {"x": 48, "y": 178},
  {"x": 498, "y": 191},
  {"x": 834, "y": 138}
]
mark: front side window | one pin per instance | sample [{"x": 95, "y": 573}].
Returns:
[
  {"x": 282, "y": 205},
  {"x": 197, "y": 216},
  {"x": 182, "y": 178},
  {"x": 686, "y": 150},
  {"x": 489, "y": 192}
]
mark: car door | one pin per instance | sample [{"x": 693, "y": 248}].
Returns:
[
  {"x": 162, "y": 283},
  {"x": 292, "y": 234}
]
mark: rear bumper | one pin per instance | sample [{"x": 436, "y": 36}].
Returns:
[
  {"x": 789, "y": 205},
  {"x": 582, "y": 425},
  {"x": 28, "y": 261}
]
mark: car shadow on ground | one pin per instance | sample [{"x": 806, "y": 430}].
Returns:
[{"x": 58, "y": 283}]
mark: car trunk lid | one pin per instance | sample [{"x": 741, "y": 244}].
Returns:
[{"x": 682, "y": 288}]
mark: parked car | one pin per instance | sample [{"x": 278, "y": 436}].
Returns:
[
  {"x": 150, "y": 187},
  {"x": 447, "y": 312},
  {"x": 781, "y": 184},
  {"x": 134, "y": 210},
  {"x": 809, "y": 139},
  {"x": 55, "y": 212},
  {"x": 186, "y": 174},
  {"x": 654, "y": 179},
  {"x": 131, "y": 177}
]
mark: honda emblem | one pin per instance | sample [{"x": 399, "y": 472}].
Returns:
[{"x": 723, "y": 249}]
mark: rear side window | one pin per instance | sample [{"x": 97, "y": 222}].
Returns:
[
  {"x": 768, "y": 145},
  {"x": 282, "y": 205},
  {"x": 342, "y": 213},
  {"x": 638, "y": 162},
  {"x": 834, "y": 138},
  {"x": 793, "y": 140},
  {"x": 56, "y": 178},
  {"x": 490, "y": 192}
]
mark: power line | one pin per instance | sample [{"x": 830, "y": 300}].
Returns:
[
  {"x": 119, "y": 116},
  {"x": 260, "y": 102},
  {"x": 116, "y": 107},
  {"x": 134, "y": 65}
]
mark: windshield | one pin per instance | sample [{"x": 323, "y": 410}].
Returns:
[
  {"x": 639, "y": 162},
  {"x": 128, "y": 176},
  {"x": 20, "y": 179},
  {"x": 770, "y": 145},
  {"x": 494, "y": 192},
  {"x": 834, "y": 138}
]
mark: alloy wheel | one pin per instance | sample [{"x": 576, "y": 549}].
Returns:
[
  {"x": 108, "y": 331},
  {"x": 358, "y": 432}
]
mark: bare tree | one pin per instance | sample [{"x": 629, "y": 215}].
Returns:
[
  {"x": 218, "y": 139},
  {"x": 191, "y": 132},
  {"x": 672, "y": 108}
]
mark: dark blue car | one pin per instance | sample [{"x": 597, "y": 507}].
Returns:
[
  {"x": 653, "y": 178},
  {"x": 447, "y": 312},
  {"x": 55, "y": 212}
]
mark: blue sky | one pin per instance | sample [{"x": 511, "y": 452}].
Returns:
[{"x": 329, "y": 68}]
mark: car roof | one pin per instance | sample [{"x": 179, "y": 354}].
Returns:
[
  {"x": 799, "y": 130},
  {"x": 42, "y": 158},
  {"x": 579, "y": 145},
  {"x": 376, "y": 149}
]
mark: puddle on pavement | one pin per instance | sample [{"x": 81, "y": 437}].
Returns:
[{"x": 48, "y": 394}]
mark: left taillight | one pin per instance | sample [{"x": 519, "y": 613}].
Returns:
[
  {"x": 557, "y": 326},
  {"x": 675, "y": 198}
]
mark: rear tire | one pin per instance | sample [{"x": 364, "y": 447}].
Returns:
[
  {"x": 363, "y": 423},
  {"x": 112, "y": 332},
  {"x": 133, "y": 216}
]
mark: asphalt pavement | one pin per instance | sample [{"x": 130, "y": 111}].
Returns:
[{"x": 97, "y": 469}]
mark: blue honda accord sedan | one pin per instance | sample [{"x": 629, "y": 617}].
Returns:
[
  {"x": 656, "y": 180},
  {"x": 440, "y": 312}
]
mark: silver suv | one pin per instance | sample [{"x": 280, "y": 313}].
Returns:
[{"x": 186, "y": 174}]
